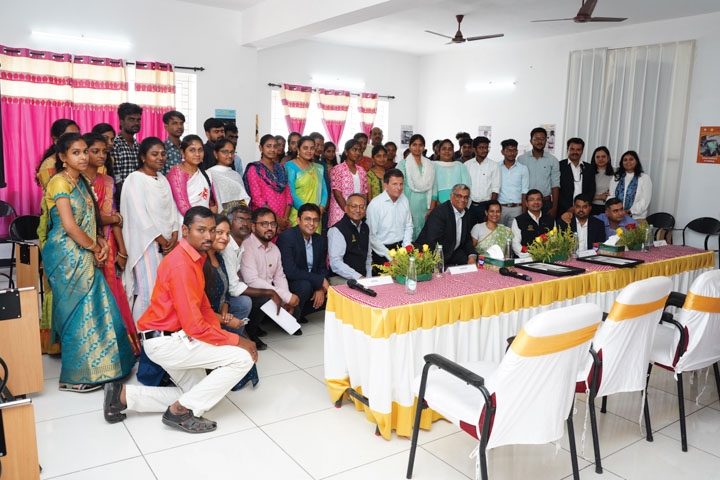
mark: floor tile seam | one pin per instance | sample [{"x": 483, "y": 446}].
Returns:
[
  {"x": 690, "y": 445},
  {"x": 194, "y": 442},
  {"x": 140, "y": 450},
  {"x": 294, "y": 417},
  {"x": 93, "y": 467},
  {"x": 287, "y": 454},
  {"x": 68, "y": 416},
  {"x": 443, "y": 461}
]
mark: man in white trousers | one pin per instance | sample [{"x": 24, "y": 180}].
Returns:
[{"x": 182, "y": 334}]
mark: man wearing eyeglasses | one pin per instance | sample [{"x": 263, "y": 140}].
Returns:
[
  {"x": 261, "y": 268},
  {"x": 349, "y": 243},
  {"x": 449, "y": 225},
  {"x": 303, "y": 258},
  {"x": 544, "y": 171}
]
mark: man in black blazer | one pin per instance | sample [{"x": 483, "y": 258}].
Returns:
[
  {"x": 576, "y": 177},
  {"x": 588, "y": 229},
  {"x": 449, "y": 225},
  {"x": 304, "y": 255}
]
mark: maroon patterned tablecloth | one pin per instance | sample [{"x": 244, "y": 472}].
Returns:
[{"x": 450, "y": 286}]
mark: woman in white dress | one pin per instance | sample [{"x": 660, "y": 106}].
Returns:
[
  {"x": 419, "y": 175},
  {"x": 227, "y": 183},
  {"x": 190, "y": 184},
  {"x": 632, "y": 186},
  {"x": 150, "y": 230}
]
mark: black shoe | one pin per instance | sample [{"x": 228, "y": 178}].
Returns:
[
  {"x": 187, "y": 422},
  {"x": 112, "y": 407},
  {"x": 261, "y": 332},
  {"x": 303, "y": 319},
  {"x": 259, "y": 344},
  {"x": 298, "y": 332}
]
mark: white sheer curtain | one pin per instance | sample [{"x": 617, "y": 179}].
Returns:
[{"x": 634, "y": 98}]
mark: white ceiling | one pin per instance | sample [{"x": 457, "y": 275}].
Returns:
[
  {"x": 405, "y": 31},
  {"x": 238, "y": 5}
]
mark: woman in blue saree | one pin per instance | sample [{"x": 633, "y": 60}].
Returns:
[{"x": 86, "y": 318}]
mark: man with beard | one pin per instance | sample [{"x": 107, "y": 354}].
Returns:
[
  {"x": 125, "y": 147},
  {"x": 544, "y": 171},
  {"x": 214, "y": 131},
  {"x": 261, "y": 268},
  {"x": 376, "y": 138},
  {"x": 174, "y": 123},
  {"x": 588, "y": 229},
  {"x": 576, "y": 177},
  {"x": 182, "y": 334}
]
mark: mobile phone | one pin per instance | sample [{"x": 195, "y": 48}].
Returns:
[{"x": 118, "y": 271}]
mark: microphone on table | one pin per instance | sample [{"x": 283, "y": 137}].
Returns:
[
  {"x": 511, "y": 273},
  {"x": 355, "y": 285}
]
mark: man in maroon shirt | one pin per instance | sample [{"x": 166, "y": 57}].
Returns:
[{"x": 182, "y": 334}]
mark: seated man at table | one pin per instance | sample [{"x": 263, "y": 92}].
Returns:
[
  {"x": 389, "y": 219},
  {"x": 588, "y": 229},
  {"x": 261, "y": 268},
  {"x": 349, "y": 243},
  {"x": 614, "y": 216},
  {"x": 182, "y": 334},
  {"x": 530, "y": 224},
  {"x": 303, "y": 258},
  {"x": 449, "y": 225}
]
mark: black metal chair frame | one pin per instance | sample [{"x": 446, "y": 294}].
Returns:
[
  {"x": 677, "y": 299},
  {"x": 478, "y": 382},
  {"x": 658, "y": 225},
  {"x": 707, "y": 235},
  {"x": 20, "y": 239},
  {"x": 9, "y": 210}
]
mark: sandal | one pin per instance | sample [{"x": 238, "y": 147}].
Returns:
[
  {"x": 79, "y": 387},
  {"x": 112, "y": 407},
  {"x": 188, "y": 422}
]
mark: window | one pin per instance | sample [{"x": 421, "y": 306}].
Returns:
[
  {"x": 185, "y": 96},
  {"x": 278, "y": 126}
]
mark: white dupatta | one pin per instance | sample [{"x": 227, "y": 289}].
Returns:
[
  {"x": 420, "y": 182},
  {"x": 147, "y": 208},
  {"x": 228, "y": 185}
]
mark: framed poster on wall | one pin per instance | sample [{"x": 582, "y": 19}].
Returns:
[{"x": 709, "y": 145}]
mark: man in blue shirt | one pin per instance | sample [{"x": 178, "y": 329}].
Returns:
[
  {"x": 514, "y": 183},
  {"x": 614, "y": 216},
  {"x": 544, "y": 170}
]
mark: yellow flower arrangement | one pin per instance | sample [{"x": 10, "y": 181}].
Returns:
[
  {"x": 402, "y": 251},
  {"x": 392, "y": 253},
  {"x": 426, "y": 247},
  {"x": 619, "y": 232}
]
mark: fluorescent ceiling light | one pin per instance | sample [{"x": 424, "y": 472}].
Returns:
[
  {"x": 490, "y": 86},
  {"x": 83, "y": 39},
  {"x": 327, "y": 81}
]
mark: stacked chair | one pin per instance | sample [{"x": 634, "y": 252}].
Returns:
[
  {"x": 526, "y": 398},
  {"x": 691, "y": 341}
]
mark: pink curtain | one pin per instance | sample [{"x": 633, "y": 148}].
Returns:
[
  {"x": 155, "y": 92},
  {"x": 368, "y": 109},
  {"x": 99, "y": 86},
  {"x": 296, "y": 101},
  {"x": 334, "y": 107},
  {"x": 37, "y": 89}
]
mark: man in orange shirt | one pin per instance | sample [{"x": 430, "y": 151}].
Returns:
[{"x": 182, "y": 334}]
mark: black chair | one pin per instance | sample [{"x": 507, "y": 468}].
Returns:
[
  {"x": 662, "y": 221},
  {"x": 5, "y": 211},
  {"x": 24, "y": 229},
  {"x": 705, "y": 225}
]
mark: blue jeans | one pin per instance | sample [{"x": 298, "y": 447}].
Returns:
[{"x": 239, "y": 307}]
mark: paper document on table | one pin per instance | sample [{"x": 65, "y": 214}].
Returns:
[
  {"x": 375, "y": 281},
  {"x": 285, "y": 320}
]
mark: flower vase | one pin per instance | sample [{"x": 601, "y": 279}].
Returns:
[{"x": 423, "y": 277}]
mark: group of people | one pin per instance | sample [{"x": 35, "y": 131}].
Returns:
[{"x": 168, "y": 250}]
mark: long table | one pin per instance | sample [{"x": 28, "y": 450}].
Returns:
[{"x": 375, "y": 345}]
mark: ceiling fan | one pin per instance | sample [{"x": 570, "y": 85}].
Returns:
[
  {"x": 458, "y": 38},
  {"x": 584, "y": 15}
]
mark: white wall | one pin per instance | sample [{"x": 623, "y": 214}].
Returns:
[
  {"x": 540, "y": 69},
  {"x": 159, "y": 30},
  {"x": 383, "y": 72}
]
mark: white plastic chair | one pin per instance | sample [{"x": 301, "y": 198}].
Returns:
[
  {"x": 623, "y": 343},
  {"x": 523, "y": 400},
  {"x": 691, "y": 342}
]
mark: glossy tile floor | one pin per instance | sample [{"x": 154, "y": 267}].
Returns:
[{"x": 287, "y": 428}]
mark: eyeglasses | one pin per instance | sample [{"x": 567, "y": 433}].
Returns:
[
  {"x": 536, "y": 139},
  {"x": 241, "y": 220},
  {"x": 267, "y": 224},
  {"x": 227, "y": 152},
  {"x": 310, "y": 220},
  {"x": 356, "y": 207},
  {"x": 461, "y": 197}
]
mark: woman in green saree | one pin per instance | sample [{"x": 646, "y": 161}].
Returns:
[
  {"x": 305, "y": 177},
  {"x": 492, "y": 232},
  {"x": 86, "y": 318}
]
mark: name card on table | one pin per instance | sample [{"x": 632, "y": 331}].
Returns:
[
  {"x": 375, "y": 281},
  {"x": 520, "y": 261},
  {"x": 458, "y": 269},
  {"x": 660, "y": 243},
  {"x": 586, "y": 253}
]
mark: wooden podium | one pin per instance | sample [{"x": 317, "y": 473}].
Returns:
[{"x": 20, "y": 350}]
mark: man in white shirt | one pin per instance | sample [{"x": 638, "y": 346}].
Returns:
[
  {"x": 389, "y": 219},
  {"x": 485, "y": 176},
  {"x": 376, "y": 138},
  {"x": 531, "y": 224}
]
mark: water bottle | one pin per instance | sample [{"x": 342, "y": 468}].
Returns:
[
  {"x": 411, "y": 279},
  {"x": 648, "y": 239},
  {"x": 440, "y": 266},
  {"x": 576, "y": 246},
  {"x": 508, "y": 249}
]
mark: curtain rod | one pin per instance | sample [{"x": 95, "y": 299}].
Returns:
[
  {"x": 389, "y": 97},
  {"x": 42, "y": 54}
]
